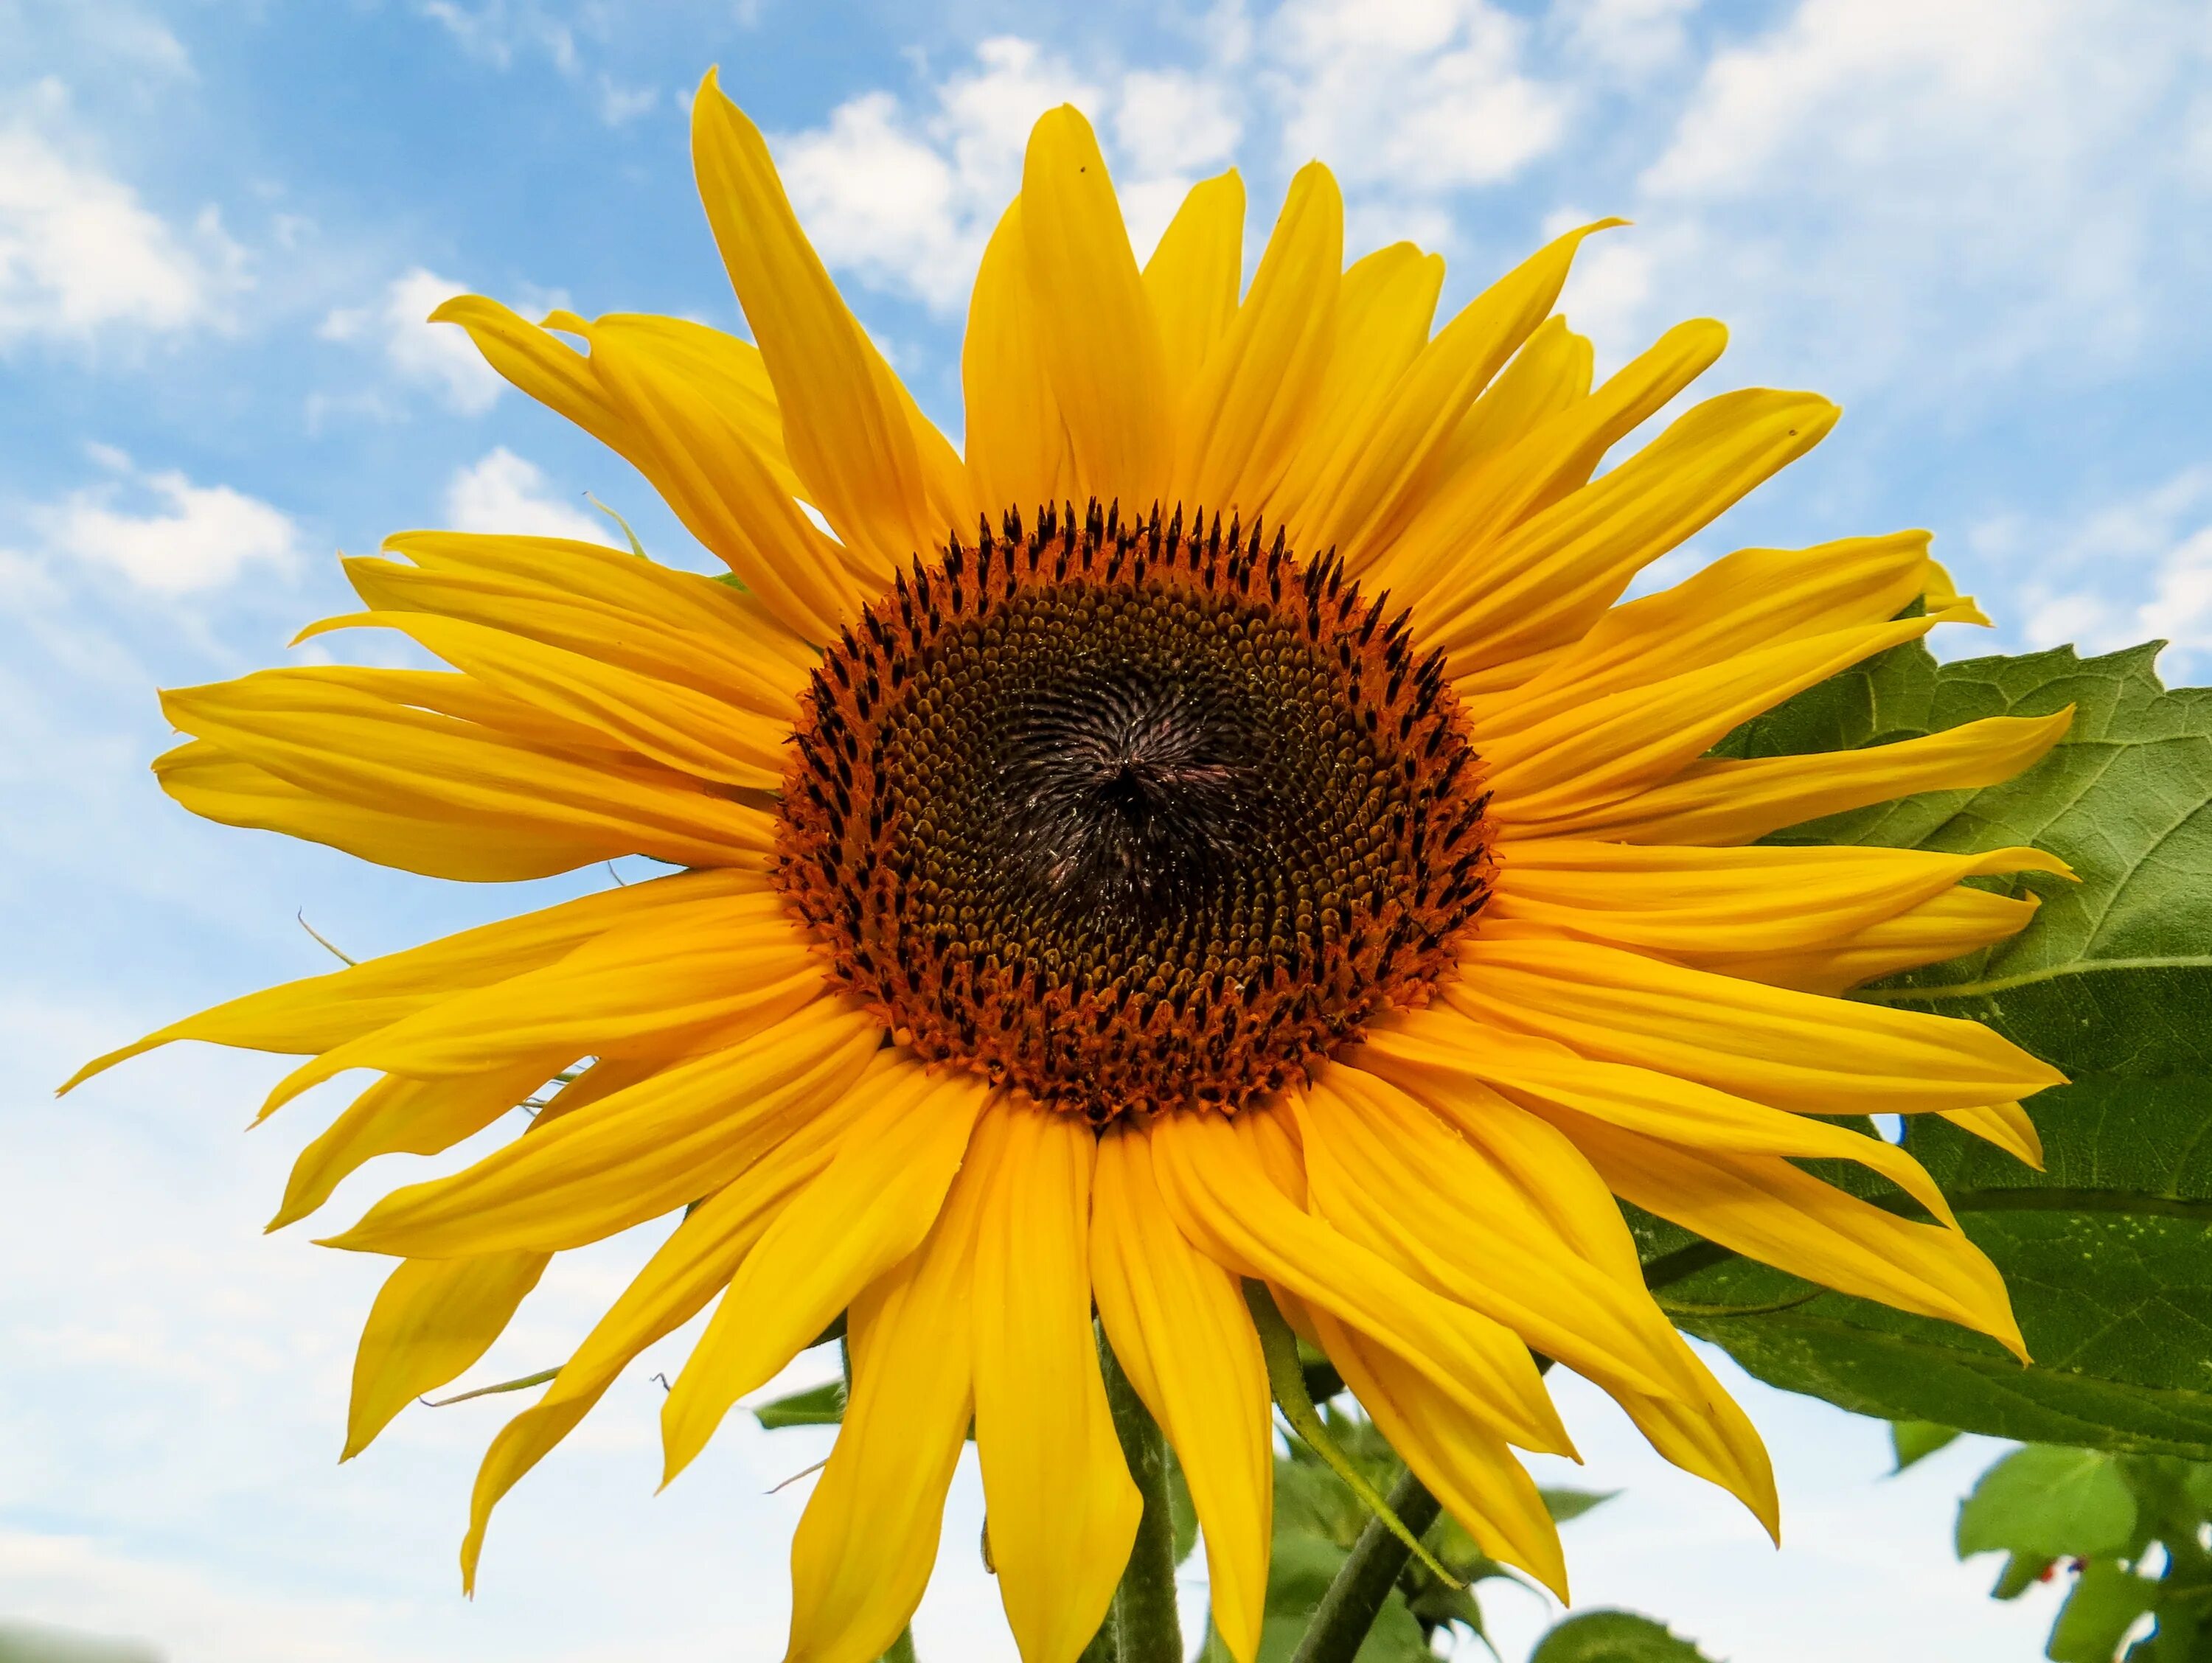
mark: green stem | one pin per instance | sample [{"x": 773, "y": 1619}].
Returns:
[
  {"x": 1144, "y": 1625},
  {"x": 902, "y": 1649},
  {"x": 1363, "y": 1581}
]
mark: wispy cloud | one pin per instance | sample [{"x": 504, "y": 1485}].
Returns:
[{"x": 504, "y": 33}]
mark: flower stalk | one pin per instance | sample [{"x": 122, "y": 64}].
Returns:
[
  {"x": 1143, "y": 1623},
  {"x": 1363, "y": 1581}
]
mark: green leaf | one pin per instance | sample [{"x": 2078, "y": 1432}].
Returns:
[
  {"x": 2106, "y": 1600},
  {"x": 2021, "y": 1572},
  {"x": 1565, "y": 1504},
  {"x": 1916, "y": 1441},
  {"x": 2107, "y": 1253},
  {"x": 818, "y": 1405},
  {"x": 1614, "y": 1636},
  {"x": 2047, "y": 1501}
]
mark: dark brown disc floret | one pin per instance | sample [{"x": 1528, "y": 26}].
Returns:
[{"x": 1132, "y": 818}]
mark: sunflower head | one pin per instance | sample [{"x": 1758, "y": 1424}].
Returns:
[
  {"x": 1265, "y": 856},
  {"x": 1130, "y": 816}
]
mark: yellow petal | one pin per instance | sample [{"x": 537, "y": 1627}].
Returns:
[
  {"x": 845, "y": 423},
  {"x": 2005, "y": 1125},
  {"x": 1773, "y": 1046},
  {"x": 1943, "y": 597},
  {"x": 702, "y": 461},
  {"x": 1617, "y": 744},
  {"x": 694, "y": 733},
  {"x": 1754, "y": 598},
  {"x": 1957, "y": 921},
  {"x": 1180, "y": 1330},
  {"x": 1711, "y": 1438},
  {"x": 1212, "y": 1175},
  {"x": 672, "y": 601},
  {"x": 1437, "y": 561},
  {"x": 1394, "y": 1179},
  {"x": 1440, "y": 1046},
  {"x": 730, "y": 370},
  {"x": 641, "y": 1152},
  {"x": 1725, "y": 800},
  {"x": 220, "y": 786},
  {"x": 1384, "y": 307},
  {"x": 318, "y": 1012},
  {"x": 325, "y": 734},
  {"x": 555, "y": 374},
  {"x": 1461, "y": 1459},
  {"x": 1243, "y": 417},
  {"x": 399, "y": 1116},
  {"x": 1547, "y": 581},
  {"x": 1100, "y": 344},
  {"x": 864, "y": 1549},
  {"x": 1552, "y": 372},
  {"x": 1194, "y": 272},
  {"x": 1705, "y": 1433},
  {"x": 1402, "y": 462},
  {"x": 1764, "y": 1208},
  {"x": 870, "y": 1209},
  {"x": 719, "y": 658},
  {"x": 1709, "y": 906},
  {"x": 1062, "y": 1510},
  {"x": 708, "y": 973},
  {"x": 1018, "y": 444},
  {"x": 689, "y": 1269},
  {"x": 432, "y": 1320}
]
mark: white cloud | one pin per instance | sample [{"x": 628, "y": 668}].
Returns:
[
  {"x": 906, "y": 202},
  {"x": 436, "y": 356},
  {"x": 2135, "y": 570},
  {"x": 180, "y": 538},
  {"x": 80, "y": 253},
  {"x": 1938, "y": 192},
  {"x": 506, "y": 493},
  {"x": 1172, "y": 122},
  {"x": 1409, "y": 100},
  {"x": 1421, "y": 95}
]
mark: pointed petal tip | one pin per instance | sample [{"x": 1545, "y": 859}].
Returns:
[
  {"x": 98, "y": 1065},
  {"x": 458, "y": 308}
]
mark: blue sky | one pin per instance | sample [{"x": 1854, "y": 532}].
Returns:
[{"x": 1981, "y": 224}]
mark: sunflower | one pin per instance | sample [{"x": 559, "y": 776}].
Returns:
[{"x": 1224, "y": 833}]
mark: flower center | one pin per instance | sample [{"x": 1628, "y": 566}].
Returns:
[{"x": 1133, "y": 819}]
